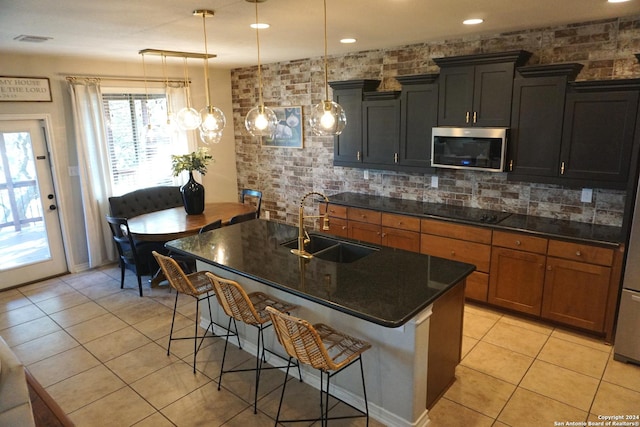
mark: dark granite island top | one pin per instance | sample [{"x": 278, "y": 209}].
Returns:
[{"x": 387, "y": 287}]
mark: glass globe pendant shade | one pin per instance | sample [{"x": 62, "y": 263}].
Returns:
[
  {"x": 188, "y": 118},
  {"x": 261, "y": 121},
  {"x": 213, "y": 119},
  {"x": 327, "y": 119},
  {"x": 210, "y": 137}
]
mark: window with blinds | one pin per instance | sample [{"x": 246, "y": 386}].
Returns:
[{"x": 139, "y": 141}]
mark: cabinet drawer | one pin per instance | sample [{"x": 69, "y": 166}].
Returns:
[
  {"x": 338, "y": 227},
  {"x": 581, "y": 252},
  {"x": 477, "y": 286},
  {"x": 363, "y": 215},
  {"x": 520, "y": 242},
  {"x": 403, "y": 222},
  {"x": 365, "y": 232},
  {"x": 456, "y": 231},
  {"x": 457, "y": 250},
  {"x": 334, "y": 210}
]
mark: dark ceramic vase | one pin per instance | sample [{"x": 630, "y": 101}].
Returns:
[{"x": 193, "y": 196}]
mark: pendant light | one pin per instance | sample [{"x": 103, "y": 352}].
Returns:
[
  {"x": 212, "y": 120},
  {"x": 261, "y": 120},
  {"x": 327, "y": 117},
  {"x": 187, "y": 117}
]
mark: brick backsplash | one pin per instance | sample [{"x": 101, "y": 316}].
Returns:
[{"x": 284, "y": 175}]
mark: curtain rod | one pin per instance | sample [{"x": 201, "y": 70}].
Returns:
[{"x": 129, "y": 79}]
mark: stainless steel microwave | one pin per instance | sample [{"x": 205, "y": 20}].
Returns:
[{"x": 469, "y": 148}]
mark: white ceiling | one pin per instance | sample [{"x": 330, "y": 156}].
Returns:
[{"x": 121, "y": 28}]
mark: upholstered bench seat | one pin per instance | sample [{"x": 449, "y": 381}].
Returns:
[{"x": 145, "y": 200}]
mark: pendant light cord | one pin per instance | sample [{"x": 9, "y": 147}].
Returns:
[
  {"x": 186, "y": 81},
  {"x": 326, "y": 67},
  {"x": 260, "y": 102},
  {"x": 206, "y": 58}
]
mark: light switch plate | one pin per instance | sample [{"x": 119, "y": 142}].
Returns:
[
  {"x": 434, "y": 181},
  {"x": 587, "y": 195}
]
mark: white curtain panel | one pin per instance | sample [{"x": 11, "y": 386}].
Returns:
[{"x": 91, "y": 145}]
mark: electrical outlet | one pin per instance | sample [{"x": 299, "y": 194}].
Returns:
[
  {"x": 366, "y": 174},
  {"x": 267, "y": 214},
  {"x": 587, "y": 195},
  {"x": 434, "y": 181}
]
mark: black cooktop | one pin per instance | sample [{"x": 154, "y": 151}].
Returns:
[{"x": 483, "y": 216}]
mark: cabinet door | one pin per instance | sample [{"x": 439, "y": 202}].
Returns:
[
  {"x": 338, "y": 227},
  {"x": 455, "y": 98},
  {"x": 348, "y": 145},
  {"x": 365, "y": 232},
  {"x": 381, "y": 131},
  {"x": 536, "y": 126},
  {"x": 401, "y": 239},
  {"x": 598, "y": 136},
  {"x": 516, "y": 280},
  {"x": 419, "y": 114},
  {"x": 492, "y": 90},
  {"x": 575, "y": 293}
]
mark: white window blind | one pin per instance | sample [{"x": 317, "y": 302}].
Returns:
[{"x": 140, "y": 143}]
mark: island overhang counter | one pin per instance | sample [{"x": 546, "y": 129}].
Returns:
[{"x": 409, "y": 306}]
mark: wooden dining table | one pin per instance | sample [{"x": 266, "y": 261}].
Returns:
[{"x": 174, "y": 223}]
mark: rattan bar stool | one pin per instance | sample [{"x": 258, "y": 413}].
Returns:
[
  {"x": 196, "y": 285},
  {"x": 250, "y": 309},
  {"x": 323, "y": 348}
]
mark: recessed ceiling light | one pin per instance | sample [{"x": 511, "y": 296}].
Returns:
[
  {"x": 260, "y": 26},
  {"x": 473, "y": 21},
  {"x": 31, "y": 39},
  {"x": 347, "y": 40},
  {"x": 617, "y": 1}
]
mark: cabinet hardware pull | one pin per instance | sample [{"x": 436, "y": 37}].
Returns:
[
  {"x": 384, "y": 234},
  {"x": 467, "y": 117},
  {"x": 358, "y": 155},
  {"x": 511, "y": 165},
  {"x": 518, "y": 243},
  {"x": 344, "y": 227},
  {"x": 562, "y": 169},
  {"x": 453, "y": 253},
  {"x": 399, "y": 222},
  {"x": 549, "y": 268},
  {"x": 395, "y": 157},
  {"x": 578, "y": 253},
  {"x": 475, "y": 117}
]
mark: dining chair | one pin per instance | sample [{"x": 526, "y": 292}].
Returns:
[
  {"x": 243, "y": 217},
  {"x": 198, "y": 286},
  {"x": 211, "y": 226},
  {"x": 132, "y": 254},
  {"x": 323, "y": 348},
  {"x": 249, "y": 309},
  {"x": 255, "y": 194}
]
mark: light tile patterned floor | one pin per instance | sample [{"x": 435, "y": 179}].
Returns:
[{"x": 101, "y": 353}]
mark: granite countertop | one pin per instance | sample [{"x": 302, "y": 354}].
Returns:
[
  {"x": 387, "y": 287},
  {"x": 547, "y": 227}
]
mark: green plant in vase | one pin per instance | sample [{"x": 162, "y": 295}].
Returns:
[{"x": 192, "y": 191}]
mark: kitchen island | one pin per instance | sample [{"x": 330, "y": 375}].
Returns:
[{"x": 407, "y": 305}]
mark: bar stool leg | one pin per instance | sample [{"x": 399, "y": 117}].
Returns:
[
  {"x": 195, "y": 337},
  {"x": 364, "y": 391},
  {"x": 175, "y": 306},
  {"x": 284, "y": 385}
]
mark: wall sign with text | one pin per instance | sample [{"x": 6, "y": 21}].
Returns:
[{"x": 23, "y": 89}]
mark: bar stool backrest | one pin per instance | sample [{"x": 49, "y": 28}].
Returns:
[
  {"x": 234, "y": 300},
  {"x": 175, "y": 275}
]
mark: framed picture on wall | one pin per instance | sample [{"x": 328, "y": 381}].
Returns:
[{"x": 289, "y": 132}]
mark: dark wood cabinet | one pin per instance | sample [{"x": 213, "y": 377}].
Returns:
[
  {"x": 476, "y": 90},
  {"x": 348, "y": 145},
  {"x": 599, "y": 132},
  {"x": 536, "y": 120},
  {"x": 418, "y": 115},
  {"x": 381, "y": 128}
]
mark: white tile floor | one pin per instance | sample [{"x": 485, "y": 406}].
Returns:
[{"x": 101, "y": 353}]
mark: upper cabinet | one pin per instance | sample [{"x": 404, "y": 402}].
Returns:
[
  {"x": 539, "y": 93},
  {"x": 380, "y": 128},
  {"x": 476, "y": 90},
  {"x": 348, "y": 145},
  {"x": 418, "y": 115},
  {"x": 599, "y": 131}
]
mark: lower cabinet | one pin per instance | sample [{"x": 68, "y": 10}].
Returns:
[
  {"x": 364, "y": 225},
  {"x": 401, "y": 232},
  {"x": 517, "y": 272},
  {"x": 576, "y": 287}
]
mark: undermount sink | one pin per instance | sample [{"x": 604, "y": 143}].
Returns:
[{"x": 334, "y": 250}]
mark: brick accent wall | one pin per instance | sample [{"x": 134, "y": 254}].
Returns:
[{"x": 284, "y": 175}]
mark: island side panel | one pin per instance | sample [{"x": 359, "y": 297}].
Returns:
[{"x": 445, "y": 342}]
